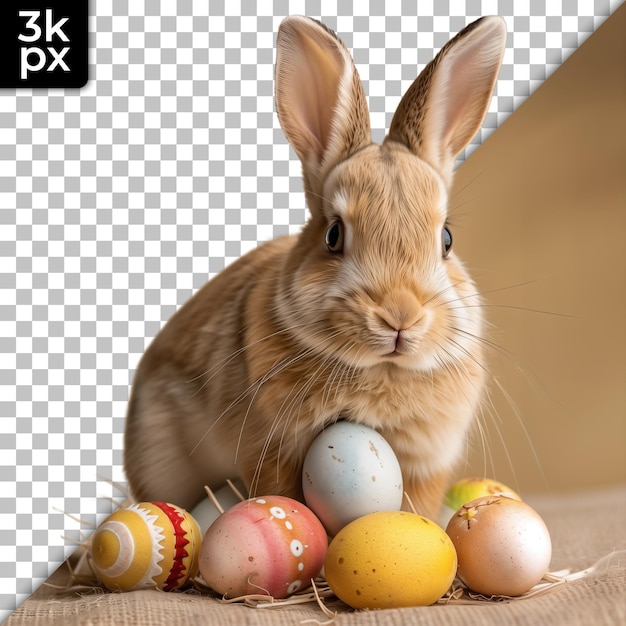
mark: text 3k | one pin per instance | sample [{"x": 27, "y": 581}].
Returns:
[{"x": 42, "y": 57}]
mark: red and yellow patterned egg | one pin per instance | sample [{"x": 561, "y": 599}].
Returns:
[{"x": 149, "y": 544}]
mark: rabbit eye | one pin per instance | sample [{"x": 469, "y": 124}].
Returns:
[
  {"x": 334, "y": 236},
  {"x": 446, "y": 241}
]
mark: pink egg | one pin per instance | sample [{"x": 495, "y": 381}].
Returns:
[{"x": 271, "y": 545}]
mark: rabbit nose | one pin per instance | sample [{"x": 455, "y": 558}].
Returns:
[{"x": 400, "y": 310}]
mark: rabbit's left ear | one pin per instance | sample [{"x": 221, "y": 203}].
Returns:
[
  {"x": 445, "y": 106},
  {"x": 320, "y": 101}
]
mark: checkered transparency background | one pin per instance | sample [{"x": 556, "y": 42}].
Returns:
[{"x": 119, "y": 200}]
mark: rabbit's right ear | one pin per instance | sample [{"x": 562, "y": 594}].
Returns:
[
  {"x": 445, "y": 106},
  {"x": 320, "y": 101}
]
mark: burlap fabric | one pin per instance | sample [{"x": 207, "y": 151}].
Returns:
[{"x": 585, "y": 527}]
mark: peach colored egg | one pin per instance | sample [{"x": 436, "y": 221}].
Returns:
[
  {"x": 503, "y": 545},
  {"x": 271, "y": 545}
]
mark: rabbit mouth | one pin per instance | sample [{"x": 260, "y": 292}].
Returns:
[
  {"x": 394, "y": 344},
  {"x": 407, "y": 348},
  {"x": 401, "y": 345},
  {"x": 365, "y": 335},
  {"x": 405, "y": 353},
  {"x": 399, "y": 336}
]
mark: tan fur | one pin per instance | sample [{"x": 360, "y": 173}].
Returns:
[{"x": 293, "y": 337}]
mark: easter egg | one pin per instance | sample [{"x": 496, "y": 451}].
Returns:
[
  {"x": 272, "y": 545},
  {"x": 149, "y": 544},
  {"x": 390, "y": 560},
  {"x": 349, "y": 471},
  {"x": 468, "y": 489},
  {"x": 503, "y": 545},
  {"x": 205, "y": 512}
]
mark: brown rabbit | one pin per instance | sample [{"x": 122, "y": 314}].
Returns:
[{"x": 366, "y": 315}]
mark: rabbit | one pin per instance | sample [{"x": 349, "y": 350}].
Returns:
[{"x": 366, "y": 315}]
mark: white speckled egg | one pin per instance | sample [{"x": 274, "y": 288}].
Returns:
[
  {"x": 350, "y": 471},
  {"x": 205, "y": 512}
]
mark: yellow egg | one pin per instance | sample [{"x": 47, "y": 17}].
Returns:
[
  {"x": 149, "y": 544},
  {"x": 469, "y": 489},
  {"x": 390, "y": 559}
]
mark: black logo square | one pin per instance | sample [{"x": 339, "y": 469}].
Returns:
[{"x": 43, "y": 43}]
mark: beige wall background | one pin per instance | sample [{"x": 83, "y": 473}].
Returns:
[{"x": 540, "y": 215}]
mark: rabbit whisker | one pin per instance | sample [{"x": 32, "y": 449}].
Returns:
[
  {"x": 524, "y": 369},
  {"x": 287, "y": 410},
  {"x": 288, "y": 401},
  {"x": 485, "y": 305},
  {"x": 217, "y": 368},
  {"x": 255, "y": 384}
]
